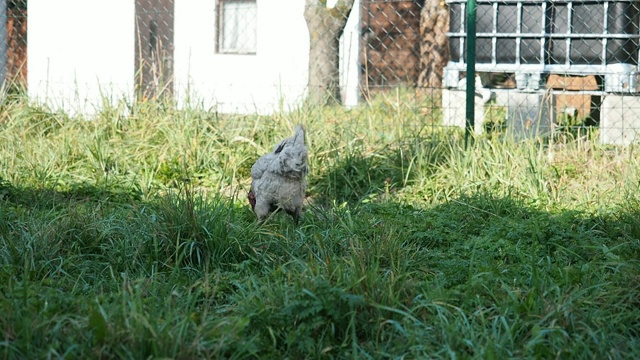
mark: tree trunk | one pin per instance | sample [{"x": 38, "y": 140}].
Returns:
[
  {"x": 434, "y": 47},
  {"x": 325, "y": 28}
]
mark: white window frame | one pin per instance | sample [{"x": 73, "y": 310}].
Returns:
[{"x": 237, "y": 27}]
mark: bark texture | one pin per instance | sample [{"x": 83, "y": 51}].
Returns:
[
  {"x": 434, "y": 47},
  {"x": 325, "y": 25}
]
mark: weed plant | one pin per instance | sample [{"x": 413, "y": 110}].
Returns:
[{"x": 128, "y": 235}]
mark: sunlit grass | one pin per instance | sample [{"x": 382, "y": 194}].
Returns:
[{"x": 129, "y": 236}]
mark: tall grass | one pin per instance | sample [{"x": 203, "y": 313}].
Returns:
[{"x": 129, "y": 236}]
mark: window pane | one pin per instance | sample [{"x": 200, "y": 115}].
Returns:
[{"x": 239, "y": 26}]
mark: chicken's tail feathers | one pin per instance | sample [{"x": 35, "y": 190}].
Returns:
[{"x": 280, "y": 146}]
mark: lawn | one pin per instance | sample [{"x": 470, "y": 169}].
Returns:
[{"x": 129, "y": 236}]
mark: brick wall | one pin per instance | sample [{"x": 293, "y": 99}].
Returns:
[
  {"x": 17, "y": 43},
  {"x": 390, "y": 49}
]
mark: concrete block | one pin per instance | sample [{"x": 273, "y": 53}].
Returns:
[
  {"x": 454, "y": 104},
  {"x": 528, "y": 114},
  {"x": 620, "y": 120},
  {"x": 454, "y": 112}
]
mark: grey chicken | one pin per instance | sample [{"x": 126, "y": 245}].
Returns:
[{"x": 278, "y": 179}]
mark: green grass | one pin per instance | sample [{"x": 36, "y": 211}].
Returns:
[{"x": 129, "y": 236}]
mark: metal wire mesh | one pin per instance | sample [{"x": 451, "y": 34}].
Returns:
[
  {"x": 154, "y": 47},
  {"x": 544, "y": 66},
  {"x": 16, "y": 47},
  {"x": 571, "y": 65}
]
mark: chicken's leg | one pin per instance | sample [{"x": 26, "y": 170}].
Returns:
[{"x": 262, "y": 209}]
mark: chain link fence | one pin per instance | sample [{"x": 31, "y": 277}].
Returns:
[
  {"x": 568, "y": 67},
  {"x": 565, "y": 68},
  {"x": 15, "y": 47}
]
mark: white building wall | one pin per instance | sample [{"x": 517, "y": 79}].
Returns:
[
  {"x": 275, "y": 78},
  {"x": 80, "y": 52},
  {"x": 275, "y": 75},
  {"x": 350, "y": 58}
]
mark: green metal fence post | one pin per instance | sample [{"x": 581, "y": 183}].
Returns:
[{"x": 471, "y": 69}]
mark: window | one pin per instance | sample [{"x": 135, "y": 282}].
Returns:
[{"x": 237, "y": 26}]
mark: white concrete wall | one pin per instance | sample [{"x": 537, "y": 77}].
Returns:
[
  {"x": 274, "y": 78},
  {"x": 80, "y": 52},
  {"x": 350, "y": 58},
  {"x": 241, "y": 83},
  {"x": 620, "y": 120}
]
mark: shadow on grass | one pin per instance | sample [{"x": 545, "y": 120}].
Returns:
[
  {"x": 46, "y": 196},
  {"x": 501, "y": 234},
  {"x": 487, "y": 227},
  {"x": 118, "y": 226},
  {"x": 458, "y": 267}
]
